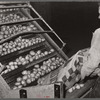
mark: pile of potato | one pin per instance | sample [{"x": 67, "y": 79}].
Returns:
[
  {"x": 12, "y": 17},
  {"x": 38, "y": 71},
  {"x": 28, "y": 58},
  {"x": 18, "y": 44},
  {"x": 76, "y": 86},
  {"x": 8, "y": 10},
  {"x": 7, "y": 31}
]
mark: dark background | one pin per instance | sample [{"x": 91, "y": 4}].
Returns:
[{"x": 74, "y": 22}]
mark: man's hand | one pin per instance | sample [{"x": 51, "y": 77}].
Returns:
[{"x": 96, "y": 72}]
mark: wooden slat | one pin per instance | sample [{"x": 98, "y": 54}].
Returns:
[{"x": 4, "y": 88}]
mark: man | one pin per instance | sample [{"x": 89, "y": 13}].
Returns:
[
  {"x": 88, "y": 64},
  {"x": 93, "y": 57}
]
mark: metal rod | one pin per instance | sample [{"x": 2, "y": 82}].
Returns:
[
  {"x": 47, "y": 25},
  {"x": 5, "y": 7},
  {"x": 7, "y": 23}
]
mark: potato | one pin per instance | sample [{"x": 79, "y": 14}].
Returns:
[
  {"x": 16, "y": 66},
  {"x": 20, "y": 86},
  {"x": 52, "y": 50},
  {"x": 19, "y": 63},
  {"x": 39, "y": 73},
  {"x": 11, "y": 63},
  {"x": 39, "y": 69},
  {"x": 25, "y": 72},
  {"x": 38, "y": 52},
  {"x": 15, "y": 63},
  {"x": 6, "y": 71},
  {"x": 32, "y": 53},
  {"x": 12, "y": 67},
  {"x": 36, "y": 57},
  {"x": 31, "y": 59},
  {"x": 17, "y": 83},
  {"x": 42, "y": 73},
  {"x": 44, "y": 67},
  {"x": 19, "y": 79},
  {"x": 48, "y": 64},
  {"x": 52, "y": 67},
  {"x": 25, "y": 77},
  {"x": 81, "y": 85},
  {"x": 28, "y": 81},
  {"x": 24, "y": 63},
  {"x": 28, "y": 72},
  {"x": 27, "y": 57},
  {"x": 46, "y": 52},
  {"x": 49, "y": 69},
  {"x": 77, "y": 86},
  {"x": 34, "y": 28},
  {"x": 29, "y": 29},
  {"x": 31, "y": 25},
  {"x": 23, "y": 82},
  {"x": 70, "y": 90},
  {"x": 32, "y": 79},
  {"x": 14, "y": 88},
  {"x": 73, "y": 87},
  {"x": 43, "y": 39},
  {"x": 32, "y": 75},
  {"x": 9, "y": 69}
]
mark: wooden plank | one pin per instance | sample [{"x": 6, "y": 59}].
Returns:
[{"x": 4, "y": 88}]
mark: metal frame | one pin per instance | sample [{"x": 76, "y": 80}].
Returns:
[{"x": 47, "y": 25}]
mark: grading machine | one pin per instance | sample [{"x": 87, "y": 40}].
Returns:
[{"x": 31, "y": 56}]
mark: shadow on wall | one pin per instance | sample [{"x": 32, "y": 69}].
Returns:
[{"x": 74, "y": 22}]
